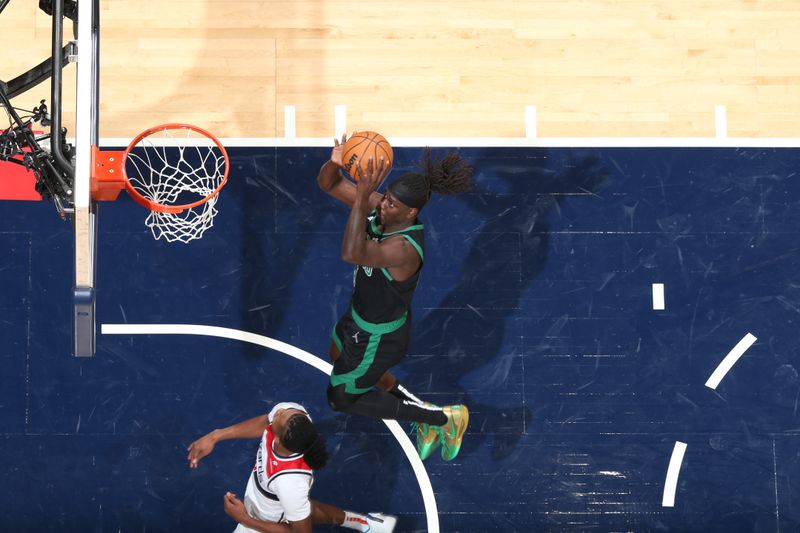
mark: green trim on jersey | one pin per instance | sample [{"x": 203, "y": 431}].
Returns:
[
  {"x": 349, "y": 379},
  {"x": 378, "y": 329},
  {"x": 416, "y": 246},
  {"x": 336, "y": 340},
  {"x": 410, "y": 239},
  {"x": 373, "y": 223},
  {"x": 409, "y": 228}
]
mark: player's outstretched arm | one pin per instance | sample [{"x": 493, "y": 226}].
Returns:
[{"x": 249, "y": 429}]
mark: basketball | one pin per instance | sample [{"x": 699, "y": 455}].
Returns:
[{"x": 360, "y": 147}]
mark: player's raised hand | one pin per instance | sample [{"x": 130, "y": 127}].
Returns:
[
  {"x": 338, "y": 149},
  {"x": 369, "y": 180}
]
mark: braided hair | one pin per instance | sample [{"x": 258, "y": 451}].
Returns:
[
  {"x": 448, "y": 175},
  {"x": 301, "y": 437}
]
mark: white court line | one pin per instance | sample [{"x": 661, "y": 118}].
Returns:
[
  {"x": 658, "y": 296},
  {"x": 289, "y": 122},
  {"x": 674, "y": 469},
  {"x": 530, "y": 122},
  {"x": 730, "y": 359},
  {"x": 531, "y": 139},
  {"x": 721, "y": 121},
  {"x": 339, "y": 122},
  {"x": 428, "y": 497}
]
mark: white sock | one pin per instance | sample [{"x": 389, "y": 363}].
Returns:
[
  {"x": 407, "y": 394},
  {"x": 355, "y": 521}
]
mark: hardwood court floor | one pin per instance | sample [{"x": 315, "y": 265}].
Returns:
[{"x": 437, "y": 68}]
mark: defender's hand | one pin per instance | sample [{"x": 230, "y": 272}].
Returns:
[
  {"x": 234, "y": 507},
  {"x": 199, "y": 449}
]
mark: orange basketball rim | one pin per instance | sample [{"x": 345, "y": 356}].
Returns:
[{"x": 161, "y": 163}]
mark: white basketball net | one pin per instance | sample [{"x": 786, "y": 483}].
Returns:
[
  {"x": 185, "y": 226},
  {"x": 177, "y": 166}
]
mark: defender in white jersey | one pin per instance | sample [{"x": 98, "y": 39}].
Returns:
[{"x": 277, "y": 495}]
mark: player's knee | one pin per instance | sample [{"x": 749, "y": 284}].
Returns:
[{"x": 339, "y": 400}]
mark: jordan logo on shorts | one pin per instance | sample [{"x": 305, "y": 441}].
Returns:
[{"x": 355, "y": 337}]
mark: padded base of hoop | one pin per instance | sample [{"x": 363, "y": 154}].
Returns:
[{"x": 84, "y": 322}]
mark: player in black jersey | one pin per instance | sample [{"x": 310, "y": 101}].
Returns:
[{"x": 384, "y": 239}]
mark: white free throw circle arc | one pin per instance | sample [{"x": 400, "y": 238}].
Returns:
[{"x": 428, "y": 498}]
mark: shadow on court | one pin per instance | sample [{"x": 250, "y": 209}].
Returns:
[{"x": 473, "y": 331}]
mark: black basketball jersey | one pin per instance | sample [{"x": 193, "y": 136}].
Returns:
[{"x": 377, "y": 297}]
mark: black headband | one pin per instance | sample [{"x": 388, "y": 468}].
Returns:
[{"x": 411, "y": 189}]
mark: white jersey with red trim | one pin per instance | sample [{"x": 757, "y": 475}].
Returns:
[{"x": 278, "y": 488}]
